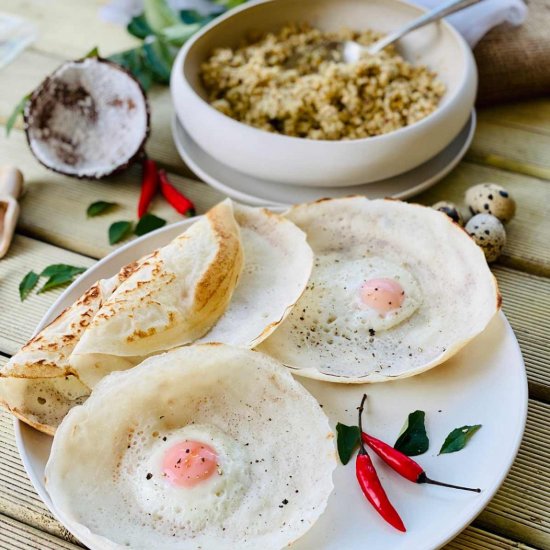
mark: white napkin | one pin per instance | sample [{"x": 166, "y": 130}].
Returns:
[
  {"x": 472, "y": 23},
  {"x": 476, "y": 21}
]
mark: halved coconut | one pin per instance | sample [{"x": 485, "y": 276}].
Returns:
[{"x": 89, "y": 118}]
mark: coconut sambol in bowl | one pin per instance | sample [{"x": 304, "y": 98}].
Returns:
[{"x": 323, "y": 158}]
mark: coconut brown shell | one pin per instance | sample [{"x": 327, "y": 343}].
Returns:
[{"x": 52, "y": 92}]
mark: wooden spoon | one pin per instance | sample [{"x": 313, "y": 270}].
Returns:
[{"x": 11, "y": 187}]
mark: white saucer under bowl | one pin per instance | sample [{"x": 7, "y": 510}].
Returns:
[{"x": 260, "y": 192}]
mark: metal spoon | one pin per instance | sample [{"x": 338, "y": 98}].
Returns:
[{"x": 352, "y": 51}]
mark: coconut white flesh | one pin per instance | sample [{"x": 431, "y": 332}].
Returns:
[
  {"x": 173, "y": 298},
  {"x": 277, "y": 266},
  {"x": 450, "y": 294},
  {"x": 87, "y": 119},
  {"x": 36, "y": 384},
  {"x": 275, "y": 455}
]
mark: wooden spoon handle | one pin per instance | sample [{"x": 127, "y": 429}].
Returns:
[{"x": 11, "y": 181}]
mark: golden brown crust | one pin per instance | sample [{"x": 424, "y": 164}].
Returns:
[
  {"x": 498, "y": 294},
  {"x": 141, "y": 334},
  {"x": 127, "y": 270},
  {"x": 229, "y": 257},
  {"x": 56, "y": 347},
  {"x": 39, "y": 369}
]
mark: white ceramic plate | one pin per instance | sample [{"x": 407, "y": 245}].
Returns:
[
  {"x": 258, "y": 192},
  {"x": 484, "y": 384}
]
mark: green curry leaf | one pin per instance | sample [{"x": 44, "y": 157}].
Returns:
[
  {"x": 458, "y": 439},
  {"x": 147, "y": 223},
  {"x": 119, "y": 231},
  {"x": 27, "y": 284},
  {"x": 138, "y": 27},
  {"x": 16, "y": 113},
  {"x": 55, "y": 281},
  {"x": 94, "y": 52},
  {"x": 99, "y": 207},
  {"x": 413, "y": 439},
  {"x": 348, "y": 438},
  {"x": 56, "y": 270}
]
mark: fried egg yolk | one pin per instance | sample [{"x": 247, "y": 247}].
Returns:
[
  {"x": 383, "y": 295},
  {"x": 189, "y": 463}
]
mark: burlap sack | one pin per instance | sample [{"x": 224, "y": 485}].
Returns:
[{"x": 514, "y": 62}]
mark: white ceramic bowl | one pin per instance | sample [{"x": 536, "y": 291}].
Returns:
[{"x": 324, "y": 163}]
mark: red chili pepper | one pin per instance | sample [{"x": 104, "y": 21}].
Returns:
[
  {"x": 404, "y": 465},
  {"x": 149, "y": 186},
  {"x": 371, "y": 486},
  {"x": 180, "y": 202},
  {"x": 401, "y": 463}
]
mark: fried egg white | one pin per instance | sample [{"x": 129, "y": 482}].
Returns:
[
  {"x": 206, "y": 495},
  {"x": 336, "y": 302}
]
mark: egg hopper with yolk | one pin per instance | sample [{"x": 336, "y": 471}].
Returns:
[{"x": 340, "y": 331}]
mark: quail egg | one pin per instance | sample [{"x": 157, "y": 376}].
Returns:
[
  {"x": 451, "y": 210},
  {"x": 488, "y": 232},
  {"x": 490, "y": 198}
]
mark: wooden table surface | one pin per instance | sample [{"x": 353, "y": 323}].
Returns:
[{"x": 511, "y": 147}]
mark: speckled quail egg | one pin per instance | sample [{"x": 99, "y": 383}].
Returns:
[
  {"x": 488, "y": 232},
  {"x": 451, "y": 209},
  {"x": 490, "y": 198}
]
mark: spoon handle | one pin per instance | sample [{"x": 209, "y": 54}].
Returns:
[
  {"x": 446, "y": 8},
  {"x": 11, "y": 186},
  {"x": 11, "y": 181}
]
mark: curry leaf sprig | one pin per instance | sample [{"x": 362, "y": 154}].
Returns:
[{"x": 57, "y": 275}]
